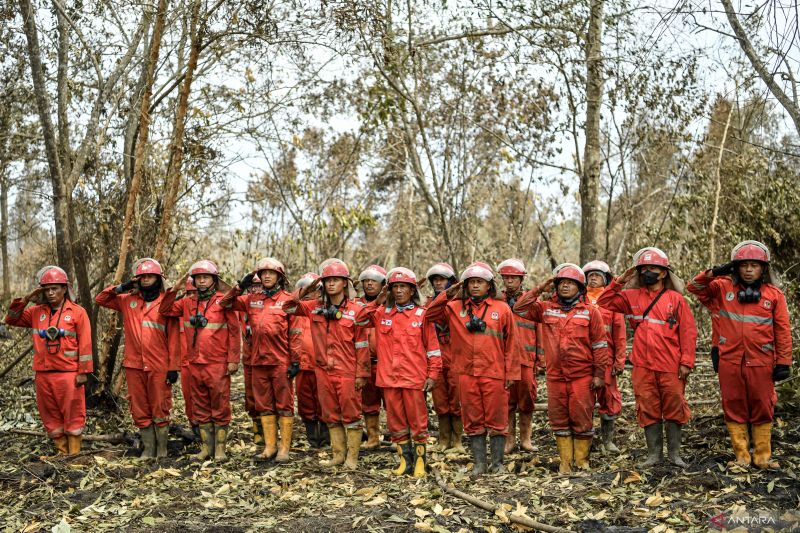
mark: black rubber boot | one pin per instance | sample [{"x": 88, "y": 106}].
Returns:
[
  {"x": 607, "y": 435},
  {"x": 323, "y": 435},
  {"x": 312, "y": 432},
  {"x": 477, "y": 444},
  {"x": 674, "y": 444},
  {"x": 654, "y": 435},
  {"x": 498, "y": 445}
]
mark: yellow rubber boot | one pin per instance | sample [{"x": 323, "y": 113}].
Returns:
[
  {"x": 287, "y": 424},
  {"x": 62, "y": 447},
  {"x": 762, "y": 446},
  {"x": 420, "y": 460},
  {"x": 406, "y": 457},
  {"x": 565, "y": 453},
  {"x": 458, "y": 432},
  {"x": 258, "y": 437},
  {"x": 445, "y": 433},
  {"x": 207, "y": 443},
  {"x": 220, "y": 442},
  {"x": 373, "y": 432},
  {"x": 740, "y": 441},
  {"x": 581, "y": 452},
  {"x": 353, "y": 445},
  {"x": 269, "y": 426},
  {"x": 338, "y": 445},
  {"x": 74, "y": 444}
]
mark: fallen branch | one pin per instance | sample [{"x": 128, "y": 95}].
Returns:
[
  {"x": 16, "y": 361},
  {"x": 117, "y": 438},
  {"x": 493, "y": 508}
]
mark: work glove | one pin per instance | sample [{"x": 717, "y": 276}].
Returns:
[
  {"x": 715, "y": 358},
  {"x": 246, "y": 281},
  {"x": 781, "y": 372},
  {"x": 172, "y": 376},
  {"x": 293, "y": 370},
  {"x": 125, "y": 287},
  {"x": 722, "y": 270}
]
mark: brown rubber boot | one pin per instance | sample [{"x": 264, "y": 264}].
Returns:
[
  {"x": 74, "y": 444},
  {"x": 762, "y": 446},
  {"x": 525, "y": 432},
  {"x": 373, "y": 432},
  {"x": 258, "y": 436},
  {"x": 162, "y": 437},
  {"x": 220, "y": 442},
  {"x": 287, "y": 424},
  {"x": 148, "y": 442},
  {"x": 207, "y": 443},
  {"x": 353, "y": 445},
  {"x": 62, "y": 448},
  {"x": 581, "y": 449},
  {"x": 338, "y": 445},
  {"x": 445, "y": 433},
  {"x": 565, "y": 453},
  {"x": 511, "y": 441},
  {"x": 455, "y": 440},
  {"x": 740, "y": 440},
  {"x": 269, "y": 425}
]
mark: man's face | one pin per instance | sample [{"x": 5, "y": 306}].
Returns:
[
  {"x": 595, "y": 279},
  {"x": 567, "y": 288},
  {"x": 54, "y": 294},
  {"x": 147, "y": 280},
  {"x": 203, "y": 281},
  {"x": 334, "y": 286},
  {"x": 750, "y": 271},
  {"x": 402, "y": 292},
  {"x": 512, "y": 283},
  {"x": 371, "y": 287},
  {"x": 269, "y": 278},
  {"x": 439, "y": 283},
  {"x": 477, "y": 287}
]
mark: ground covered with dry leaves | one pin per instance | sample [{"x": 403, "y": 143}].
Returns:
[{"x": 107, "y": 489}]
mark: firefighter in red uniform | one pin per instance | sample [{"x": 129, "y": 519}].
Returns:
[
  {"x": 409, "y": 362},
  {"x": 151, "y": 363},
  {"x": 302, "y": 345},
  {"x": 446, "y": 403},
  {"x": 247, "y": 368},
  {"x": 273, "y": 366},
  {"x": 62, "y": 355},
  {"x": 372, "y": 280},
  {"x": 576, "y": 349},
  {"x": 598, "y": 275},
  {"x": 522, "y": 396},
  {"x": 214, "y": 345},
  {"x": 755, "y": 345},
  {"x": 341, "y": 349},
  {"x": 649, "y": 294},
  {"x": 189, "y": 291},
  {"x": 485, "y": 358}
]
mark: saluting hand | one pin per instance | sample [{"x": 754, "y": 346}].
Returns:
[
  {"x": 33, "y": 295},
  {"x": 453, "y": 290},
  {"x": 626, "y": 276}
]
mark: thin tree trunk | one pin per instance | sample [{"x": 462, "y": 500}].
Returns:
[
  {"x": 712, "y": 230},
  {"x": 590, "y": 177},
  {"x": 173, "y": 180},
  {"x": 4, "y": 236}
]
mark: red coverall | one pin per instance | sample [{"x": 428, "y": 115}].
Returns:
[
  {"x": 752, "y": 339},
  {"x": 483, "y": 361},
  {"x": 371, "y": 394},
  {"x": 445, "y": 394},
  {"x": 662, "y": 342},
  {"x": 247, "y": 365},
  {"x": 62, "y": 404},
  {"x": 270, "y": 327},
  {"x": 341, "y": 351},
  {"x": 186, "y": 379},
  {"x": 609, "y": 397},
  {"x": 302, "y": 346},
  {"x": 408, "y": 354},
  {"x": 150, "y": 351},
  {"x": 522, "y": 395},
  {"x": 576, "y": 350},
  {"x": 210, "y": 349}
]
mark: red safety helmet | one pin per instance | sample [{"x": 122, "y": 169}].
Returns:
[
  {"x": 305, "y": 280},
  {"x": 441, "y": 269},
  {"x": 750, "y": 251},
  {"x": 478, "y": 270},
  {"x": 651, "y": 256},
  {"x": 401, "y": 275},
  {"x": 270, "y": 263},
  {"x": 204, "y": 266},
  {"x": 52, "y": 275},
  {"x": 329, "y": 261},
  {"x": 147, "y": 265},
  {"x": 512, "y": 267},
  {"x": 373, "y": 272},
  {"x": 596, "y": 266},
  {"x": 335, "y": 269},
  {"x": 569, "y": 271}
]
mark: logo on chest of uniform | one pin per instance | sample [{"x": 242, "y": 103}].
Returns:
[
  {"x": 495, "y": 315},
  {"x": 42, "y": 317},
  {"x": 259, "y": 304},
  {"x": 729, "y": 296},
  {"x": 386, "y": 322},
  {"x": 416, "y": 324},
  {"x": 133, "y": 304},
  {"x": 767, "y": 304},
  {"x": 67, "y": 318}
]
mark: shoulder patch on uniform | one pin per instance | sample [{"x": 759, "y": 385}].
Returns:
[
  {"x": 767, "y": 304},
  {"x": 133, "y": 304},
  {"x": 729, "y": 296}
]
